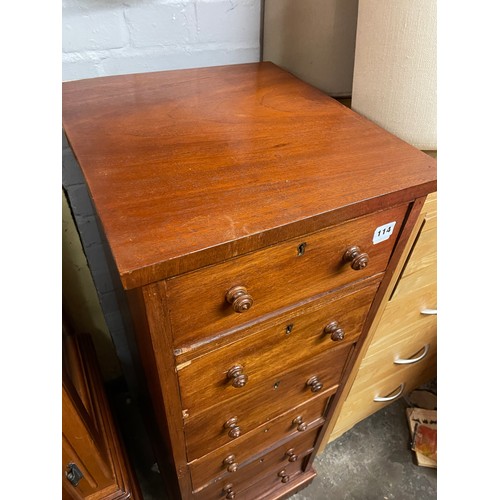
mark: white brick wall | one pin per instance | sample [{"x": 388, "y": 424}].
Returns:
[
  {"x": 131, "y": 36},
  {"x": 162, "y": 25}
]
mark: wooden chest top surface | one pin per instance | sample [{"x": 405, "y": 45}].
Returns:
[{"x": 191, "y": 167}]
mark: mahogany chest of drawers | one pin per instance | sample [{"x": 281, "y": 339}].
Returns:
[{"x": 254, "y": 223}]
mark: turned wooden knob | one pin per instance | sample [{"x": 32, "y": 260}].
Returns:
[
  {"x": 333, "y": 329},
  {"x": 301, "y": 425},
  {"x": 357, "y": 259},
  {"x": 291, "y": 455},
  {"x": 314, "y": 384},
  {"x": 228, "y": 490},
  {"x": 234, "y": 430},
  {"x": 230, "y": 461},
  {"x": 284, "y": 476},
  {"x": 236, "y": 375},
  {"x": 239, "y": 298}
]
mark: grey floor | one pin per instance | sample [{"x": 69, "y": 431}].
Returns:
[{"x": 372, "y": 461}]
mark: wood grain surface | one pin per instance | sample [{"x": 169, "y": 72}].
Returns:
[
  {"x": 212, "y": 468},
  {"x": 258, "y": 487},
  {"x": 362, "y": 405},
  {"x": 191, "y": 167},
  {"x": 276, "y": 277},
  {"x": 262, "y": 356},
  {"x": 205, "y": 431},
  {"x": 403, "y": 330},
  {"x": 90, "y": 437},
  {"x": 256, "y": 438},
  {"x": 228, "y": 197}
]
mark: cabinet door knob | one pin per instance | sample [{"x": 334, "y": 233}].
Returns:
[
  {"x": 239, "y": 298},
  {"x": 228, "y": 490},
  {"x": 358, "y": 259},
  {"x": 234, "y": 430},
  {"x": 333, "y": 329},
  {"x": 291, "y": 455},
  {"x": 314, "y": 384},
  {"x": 301, "y": 425},
  {"x": 284, "y": 476},
  {"x": 230, "y": 461},
  {"x": 236, "y": 375}
]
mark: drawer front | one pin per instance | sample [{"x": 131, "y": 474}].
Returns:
[
  {"x": 259, "y": 477},
  {"x": 237, "y": 465},
  {"x": 276, "y": 277},
  {"x": 382, "y": 358},
  {"x": 424, "y": 253},
  {"x": 421, "y": 266},
  {"x": 404, "y": 322},
  {"x": 380, "y": 376},
  {"x": 410, "y": 285},
  {"x": 300, "y": 336},
  {"x": 257, "y": 411},
  {"x": 361, "y": 404},
  {"x": 275, "y": 485}
]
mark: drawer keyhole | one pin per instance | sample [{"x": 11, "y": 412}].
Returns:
[
  {"x": 276, "y": 384},
  {"x": 288, "y": 329},
  {"x": 301, "y": 249}
]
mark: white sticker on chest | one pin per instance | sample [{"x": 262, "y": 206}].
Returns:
[{"x": 383, "y": 233}]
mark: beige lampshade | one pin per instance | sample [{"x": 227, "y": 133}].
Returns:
[{"x": 394, "y": 82}]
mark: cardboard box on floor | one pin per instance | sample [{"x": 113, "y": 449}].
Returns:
[{"x": 423, "y": 428}]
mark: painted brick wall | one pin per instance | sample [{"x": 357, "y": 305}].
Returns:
[{"x": 130, "y": 36}]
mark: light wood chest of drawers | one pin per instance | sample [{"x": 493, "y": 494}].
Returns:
[
  {"x": 402, "y": 351},
  {"x": 255, "y": 224}
]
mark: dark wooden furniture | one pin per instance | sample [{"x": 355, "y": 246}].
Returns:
[
  {"x": 94, "y": 461},
  {"x": 255, "y": 224}
]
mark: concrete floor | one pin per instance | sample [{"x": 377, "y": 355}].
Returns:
[{"x": 372, "y": 461}]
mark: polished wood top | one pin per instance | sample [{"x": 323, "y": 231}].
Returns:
[{"x": 191, "y": 167}]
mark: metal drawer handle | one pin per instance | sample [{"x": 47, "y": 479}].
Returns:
[
  {"x": 399, "y": 361},
  {"x": 429, "y": 312},
  {"x": 73, "y": 474},
  {"x": 384, "y": 399}
]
